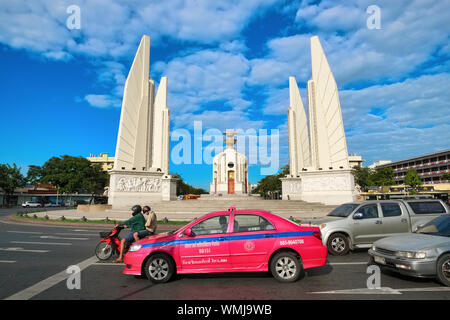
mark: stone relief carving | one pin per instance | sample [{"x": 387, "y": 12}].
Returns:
[
  {"x": 334, "y": 183},
  {"x": 138, "y": 184},
  {"x": 293, "y": 187}
]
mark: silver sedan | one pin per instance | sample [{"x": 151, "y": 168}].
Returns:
[{"x": 424, "y": 253}]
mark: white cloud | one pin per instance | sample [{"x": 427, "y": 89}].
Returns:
[
  {"x": 102, "y": 100},
  {"x": 112, "y": 28},
  {"x": 204, "y": 77}
]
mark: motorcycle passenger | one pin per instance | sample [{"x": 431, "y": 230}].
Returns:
[
  {"x": 136, "y": 224},
  {"x": 150, "y": 225}
]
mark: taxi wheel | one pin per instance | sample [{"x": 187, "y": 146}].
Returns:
[
  {"x": 338, "y": 244},
  {"x": 285, "y": 267},
  {"x": 159, "y": 268},
  {"x": 443, "y": 269}
]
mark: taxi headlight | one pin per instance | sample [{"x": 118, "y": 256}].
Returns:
[
  {"x": 411, "y": 254},
  {"x": 135, "y": 247},
  {"x": 374, "y": 248}
]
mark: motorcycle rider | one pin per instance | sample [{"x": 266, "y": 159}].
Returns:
[
  {"x": 150, "y": 225},
  {"x": 136, "y": 223}
]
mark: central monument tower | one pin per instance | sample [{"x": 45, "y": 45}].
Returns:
[{"x": 230, "y": 170}]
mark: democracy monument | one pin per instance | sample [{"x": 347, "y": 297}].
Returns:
[{"x": 318, "y": 156}]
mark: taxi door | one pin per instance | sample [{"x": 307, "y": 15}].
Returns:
[
  {"x": 251, "y": 241},
  {"x": 206, "y": 247}
]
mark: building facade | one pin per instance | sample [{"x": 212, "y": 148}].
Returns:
[
  {"x": 104, "y": 160},
  {"x": 430, "y": 167}
]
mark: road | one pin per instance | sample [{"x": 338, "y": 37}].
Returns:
[{"x": 34, "y": 260}]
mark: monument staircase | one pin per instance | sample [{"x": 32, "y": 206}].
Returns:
[{"x": 190, "y": 209}]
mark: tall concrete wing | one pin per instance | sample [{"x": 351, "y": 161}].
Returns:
[
  {"x": 161, "y": 125},
  {"x": 140, "y": 173},
  {"x": 299, "y": 146},
  {"x": 134, "y": 137},
  {"x": 329, "y": 147}
]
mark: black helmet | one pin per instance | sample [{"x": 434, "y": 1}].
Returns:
[
  {"x": 145, "y": 209},
  {"x": 136, "y": 209}
]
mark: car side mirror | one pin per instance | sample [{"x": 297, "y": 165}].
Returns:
[
  {"x": 358, "y": 216},
  {"x": 188, "y": 232}
]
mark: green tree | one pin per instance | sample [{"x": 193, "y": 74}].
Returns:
[
  {"x": 184, "y": 188},
  {"x": 74, "y": 174},
  {"x": 10, "y": 179},
  {"x": 362, "y": 177},
  {"x": 412, "y": 179},
  {"x": 34, "y": 174},
  {"x": 383, "y": 177},
  {"x": 271, "y": 184},
  {"x": 446, "y": 176}
]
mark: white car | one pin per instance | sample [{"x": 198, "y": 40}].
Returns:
[
  {"x": 52, "y": 204},
  {"x": 31, "y": 204}
]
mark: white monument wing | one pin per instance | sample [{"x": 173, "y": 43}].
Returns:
[
  {"x": 327, "y": 128},
  {"x": 299, "y": 147}
]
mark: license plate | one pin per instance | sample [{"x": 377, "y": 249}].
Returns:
[{"x": 380, "y": 260}]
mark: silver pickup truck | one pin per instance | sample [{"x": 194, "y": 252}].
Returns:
[{"x": 358, "y": 225}]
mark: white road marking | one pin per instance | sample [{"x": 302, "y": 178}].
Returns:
[
  {"x": 78, "y": 234},
  {"x": 383, "y": 290},
  {"x": 61, "y": 238},
  {"x": 428, "y": 289},
  {"x": 39, "y": 287},
  {"x": 30, "y": 232},
  {"x": 23, "y": 250},
  {"x": 49, "y": 243},
  {"x": 7, "y": 261},
  {"x": 346, "y": 263}
]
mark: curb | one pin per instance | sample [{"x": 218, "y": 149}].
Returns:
[{"x": 78, "y": 224}]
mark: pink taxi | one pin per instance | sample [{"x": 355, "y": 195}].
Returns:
[{"x": 229, "y": 241}]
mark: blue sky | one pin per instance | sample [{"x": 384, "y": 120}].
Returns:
[{"x": 228, "y": 64}]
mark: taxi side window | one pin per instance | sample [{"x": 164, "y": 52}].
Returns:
[
  {"x": 214, "y": 225},
  {"x": 369, "y": 211},
  {"x": 249, "y": 223}
]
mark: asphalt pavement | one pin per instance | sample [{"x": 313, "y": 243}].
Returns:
[{"x": 34, "y": 260}]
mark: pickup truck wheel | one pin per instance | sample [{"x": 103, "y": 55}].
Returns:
[
  {"x": 443, "y": 269},
  {"x": 338, "y": 244}
]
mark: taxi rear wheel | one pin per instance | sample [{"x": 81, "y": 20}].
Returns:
[
  {"x": 159, "y": 268},
  {"x": 443, "y": 269},
  {"x": 285, "y": 267}
]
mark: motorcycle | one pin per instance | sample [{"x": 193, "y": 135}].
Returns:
[{"x": 109, "y": 243}]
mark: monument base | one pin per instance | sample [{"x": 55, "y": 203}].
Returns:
[
  {"x": 128, "y": 188},
  {"x": 332, "y": 187}
]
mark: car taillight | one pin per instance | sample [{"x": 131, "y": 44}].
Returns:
[{"x": 318, "y": 235}]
